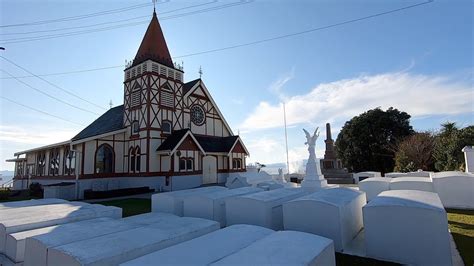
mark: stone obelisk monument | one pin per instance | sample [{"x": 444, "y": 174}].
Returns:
[{"x": 313, "y": 179}]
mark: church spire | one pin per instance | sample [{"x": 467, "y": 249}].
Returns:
[{"x": 153, "y": 45}]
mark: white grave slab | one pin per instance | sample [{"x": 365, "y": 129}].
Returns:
[
  {"x": 16, "y": 242},
  {"x": 41, "y": 210},
  {"x": 37, "y": 246},
  {"x": 408, "y": 227},
  {"x": 364, "y": 175},
  {"x": 455, "y": 189},
  {"x": 127, "y": 245},
  {"x": 207, "y": 248},
  {"x": 50, "y": 218},
  {"x": 263, "y": 208},
  {"x": 285, "y": 248},
  {"x": 27, "y": 203},
  {"x": 412, "y": 183},
  {"x": 172, "y": 202},
  {"x": 333, "y": 213},
  {"x": 374, "y": 186},
  {"x": 212, "y": 205}
]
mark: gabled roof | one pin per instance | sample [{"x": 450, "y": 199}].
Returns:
[
  {"x": 189, "y": 85},
  {"x": 207, "y": 144},
  {"x": 172, "y": 141},
  {"x": 112, "y": 120},
  {"x": 216, "y": 144},
  {"x": 153, "y": 45}
]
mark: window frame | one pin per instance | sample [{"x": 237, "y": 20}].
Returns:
[
  {"x": 170, "y": 128},
  {"x": 110, "y": 164}
]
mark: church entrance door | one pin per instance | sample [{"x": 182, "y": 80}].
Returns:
[{"x": 209, "y": 170}]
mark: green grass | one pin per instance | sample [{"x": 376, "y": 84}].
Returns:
[
  {"x": 461, "y": 224},
  {"x": 130, "y": 206}
]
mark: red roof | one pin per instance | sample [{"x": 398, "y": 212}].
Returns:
[{"x": 153, "y": 45}]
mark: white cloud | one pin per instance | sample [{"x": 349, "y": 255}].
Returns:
[
  {"x": 418, "y": 95},
  {"x": 37, "y": 136},
  {"x": 277, "y": 86}
]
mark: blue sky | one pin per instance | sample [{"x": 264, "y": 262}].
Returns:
[{"x": 418, "y": 60}]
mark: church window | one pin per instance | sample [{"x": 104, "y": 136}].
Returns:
[
  {"x": 182, "y": 164},
  {"x": 166, "y": 127},
  {"x": 54, "y": 162},
  {"x": 178, "y": 75},
  {"x": 237, "y": 164},
  {"x": 133, "y": 72},
  {"x": 170, "y": 73},
  {"x": 154, "y": 68},
  {"x": 135, "y": 127},
  {"x": 41, "y": 164},
  {"x": 167, "y": 96},
  {"x": 189, "y": 164},
  {"x": 135, "y": 98},
  {"x": 104, "y": 159},
  {"x": 139, "y": 70},
  {"x": 69, "y": 162},
  {"x": 197, "y": 115},
  {"x": 132, "y": 160},
  {"x": 163, "y": 71},
  {"x": 128, "y": 74},
  {"x": 138, "y": 161}
]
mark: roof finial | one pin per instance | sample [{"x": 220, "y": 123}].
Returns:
[
  {"x": 154, "y": 4},
  {"x": 200, "y": 72},
  {"x": 111, "y": 104}
]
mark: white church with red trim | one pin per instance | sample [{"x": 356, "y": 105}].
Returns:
[{"x": 168, "y": 135}]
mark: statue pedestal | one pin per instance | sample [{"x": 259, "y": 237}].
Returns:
[{"x": 314, "y": 179}]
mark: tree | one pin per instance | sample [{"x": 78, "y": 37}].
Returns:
[
  {"x": 415, "y": 152},
  {"x": 365, "y": 142},
  {"x": 448, "y": 144}
]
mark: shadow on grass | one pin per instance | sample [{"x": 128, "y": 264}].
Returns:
[
  {"x": 465, "y": 245},
  {"x": 350, "y": 260},
  {"x": 130, "y": 207}
]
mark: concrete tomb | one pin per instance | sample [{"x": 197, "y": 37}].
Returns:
[
  {"x": 411, "y": 183},
  {"x": 263, "y": 208},
  {"x": 364, "y": 175},
  {"x": 408, "y": 227},
  {"x": 28, "y": 203},
  {"x": 374, "y": 186},
  {"x": 469, "y": 158},
  {"x": 39, "y": 242},
  {"x": 113, "y": 249},
  {"x": 212, "y": 205},
  {"x": 38, "y": 217},
  {"x": 285, "y": 248},
  {"x": 333, "y": 213},
  {"x": 455, "y": 189},
  {"x": 206, "y": 249},
  {"x": 172, "y": 202}
]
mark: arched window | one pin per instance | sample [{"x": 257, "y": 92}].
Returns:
[
  {"x": 132, "y": 159},
  {"x": 166, "y": 127},
  {"x": 237, "y": 163},
  {"x": 40, "y": 164},
  {"x": 104, "y": 159},
  {"x": 138, "y": 161},
  {"x": 135, "y": 162},
  {"x": 53, "y": 162}
]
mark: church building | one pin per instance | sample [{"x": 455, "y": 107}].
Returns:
[{"x": 168, "y": 134}]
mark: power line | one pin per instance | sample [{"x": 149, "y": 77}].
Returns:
[
  {"x": 48, "y": 95},
  {"x": 108, "y": 22},
  {"x": 50, "y": 83},
  {"x": 73, "y": 33},
  {"x": 40, "y": 111},
  {"x": 305, "y": 31},
  {"x": 250, "y": 43},
  {"x": 78, "y": 17}
]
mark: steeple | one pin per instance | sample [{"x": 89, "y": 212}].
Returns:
[{"x": 153, "y": 45}]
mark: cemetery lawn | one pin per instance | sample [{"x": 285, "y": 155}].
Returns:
[
  {"x": 130, "y": 207},
  {"x": 461, "y": 224}
]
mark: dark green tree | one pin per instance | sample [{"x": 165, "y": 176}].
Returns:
[
  {"x": 366, "y": 142},
  {"x": 448, "y": 144}
]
